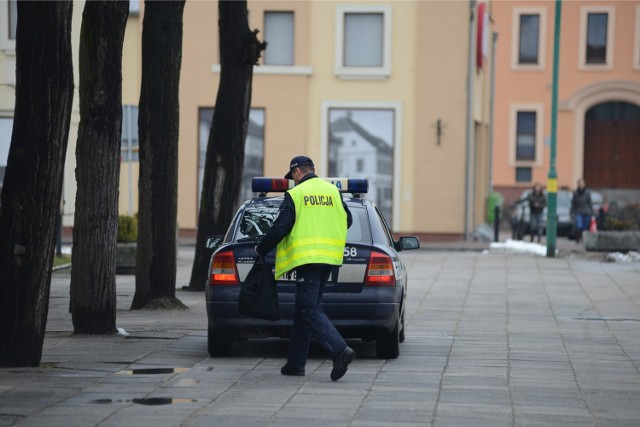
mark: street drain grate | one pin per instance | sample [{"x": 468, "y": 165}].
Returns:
[
  {"x": 152, "y": 371},
  {"x": 151, "y": 401},
  {"x": 161, "y": 401}
]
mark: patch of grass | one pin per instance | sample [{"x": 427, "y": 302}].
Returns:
[
  {"x": 61, "y": 260},
  {"x": 127, "y": 228}
]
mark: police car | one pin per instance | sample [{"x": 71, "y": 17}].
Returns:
[{"x": 364, "y": 298}]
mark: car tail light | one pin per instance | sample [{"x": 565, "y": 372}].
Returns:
[
  {"x": 380, "y": 270},
  {"x": 223, "y": 269}
]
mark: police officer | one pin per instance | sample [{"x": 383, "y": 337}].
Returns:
[{"x": 310, "y": 233}]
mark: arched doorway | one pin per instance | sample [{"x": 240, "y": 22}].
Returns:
[{"x": 612, "y": 145}]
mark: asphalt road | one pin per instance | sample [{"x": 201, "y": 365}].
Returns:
[{"x": 492, "y": 339}]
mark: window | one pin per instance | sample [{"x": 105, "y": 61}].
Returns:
[
  {"x": 6, "y": 128},
  {"x": 385, "y": 226},
  {"x": 361, "y": 140},
  {"x": 134, "y": 7},
  {"x": 279, "y": 35},
  {"x": 8, "y": 24},
  {"x": 529, "y": 35},
  {"x": 253, "y": 149},
  {"x": 529, "y": 32},
  {"x": 129, "y": 149},
  {"x": 596, "y": 37},
  {"x": 523, "y": 174},
  {"x": 363, "y": 42},
  {"x": 526, "y": 136}
]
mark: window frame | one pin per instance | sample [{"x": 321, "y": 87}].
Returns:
[
  {"x": 293, "y": 33},
  {"x": 539, "y": 138},
  {"x": 517, "y": 12},
  {"x": 582, "y": 41},
  {"x": 363, "y": 73},
  {"x": 6, "y": 44},
  {"x": 398, "y": 192}
]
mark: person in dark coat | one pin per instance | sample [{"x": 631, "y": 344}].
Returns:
[
  {"x": 581, "y": 208},
  {"x": 537, "y": 202}
]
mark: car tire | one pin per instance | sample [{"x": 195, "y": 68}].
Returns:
[
  {"x": 219, "y": 342},
  {"x": 402, "y": 334},
  {"x": 388, "y": 345}
]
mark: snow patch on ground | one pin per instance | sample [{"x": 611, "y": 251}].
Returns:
[
  {"x": 631, "y": 256},
  {"x": 519, "y": 247}
]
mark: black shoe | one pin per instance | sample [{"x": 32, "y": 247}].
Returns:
[
  {"x": 290, "y": 370},
  {"x": 341, "y": 364}
]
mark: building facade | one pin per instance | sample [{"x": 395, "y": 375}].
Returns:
[
  {"x": 396, "y": 91},
  {"x": 598, "y": 122},
  {"x": 359, "y": 87}
]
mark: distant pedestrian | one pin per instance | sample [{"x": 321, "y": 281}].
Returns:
[
  {"x": 581, "y": 209},
  {"x": 537, "y": 202}
]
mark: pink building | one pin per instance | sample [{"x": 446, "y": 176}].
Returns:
[{"x": 598, "y": 134}]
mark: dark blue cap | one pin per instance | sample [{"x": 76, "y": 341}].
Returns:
[{"x": 296, "y": 162}]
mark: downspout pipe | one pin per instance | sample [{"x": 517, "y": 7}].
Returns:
[
  {"x": 494, "y": 42},
  {"x": 469, "y": 131}
]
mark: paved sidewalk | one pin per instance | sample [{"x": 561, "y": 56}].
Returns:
[{"x": 492, "y": 339}]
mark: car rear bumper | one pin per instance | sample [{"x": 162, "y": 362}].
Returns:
[{"x": 361, "y": 320}]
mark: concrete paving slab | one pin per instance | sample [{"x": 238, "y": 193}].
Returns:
[{"x": 492, "y": 339}]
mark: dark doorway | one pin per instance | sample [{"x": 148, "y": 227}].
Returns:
[{"x": 612, "y": 145}]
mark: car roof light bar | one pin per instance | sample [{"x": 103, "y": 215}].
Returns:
[
  {"x": 350, "y": 185},
  {"x": 271, "y": 185},
  {"x": 265, "y": 185}
]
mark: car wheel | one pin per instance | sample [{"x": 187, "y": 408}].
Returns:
[
  {"x": 219, "y": 342},
  {"x": 388, "y": 345},
  {"x": 402, "y": 335}
]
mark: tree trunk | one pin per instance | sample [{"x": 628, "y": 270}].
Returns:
[
  {"x": 158, "y": 122},
  {"x": 239, "y": 52},
  {"x": 33, "y": 179},
  {"x": 93, "y": 277}
]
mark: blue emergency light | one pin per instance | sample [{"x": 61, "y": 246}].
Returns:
[
  {"x": 350, "y": 185},
  {"x": 280, "y": 185}
]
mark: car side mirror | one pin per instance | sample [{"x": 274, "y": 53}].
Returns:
[
  {"x": 213, "y": 242},
  {"x": 408, "y": 242}
]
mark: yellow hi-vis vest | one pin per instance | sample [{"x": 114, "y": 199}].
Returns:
[{"x": 319, "y": 233}]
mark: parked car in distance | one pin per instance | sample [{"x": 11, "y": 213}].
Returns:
[{"x": 364, "y": 298}]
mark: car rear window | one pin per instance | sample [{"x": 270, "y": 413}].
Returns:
[
  {"x": 359, "y": 231},
  {"x": 256, "y": 220}
]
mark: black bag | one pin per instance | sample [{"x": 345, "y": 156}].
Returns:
[{"x": 258, "y": 294}]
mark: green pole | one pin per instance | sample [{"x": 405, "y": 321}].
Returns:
[{"x": 552, "y": 178}]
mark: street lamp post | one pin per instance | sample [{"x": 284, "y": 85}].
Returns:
[{"x": 552, "y": 178}]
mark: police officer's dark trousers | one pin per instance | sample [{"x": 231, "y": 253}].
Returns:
[{"x": 309, "y": 318}]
